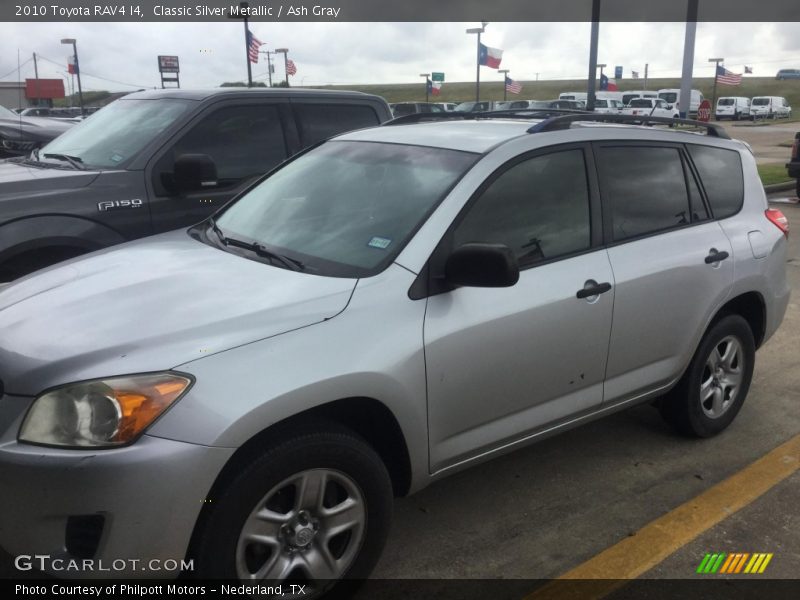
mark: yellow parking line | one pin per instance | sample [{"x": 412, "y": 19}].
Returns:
[{"x": 658, "y": 539}]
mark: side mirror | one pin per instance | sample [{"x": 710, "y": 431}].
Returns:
[
  {"x": 194, "y": 172},
  {"x": 668, "y": 107},
  {"x": 482, "y": 265}
]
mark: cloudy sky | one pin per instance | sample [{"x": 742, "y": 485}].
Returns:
[{"x": 122, "y": 56}]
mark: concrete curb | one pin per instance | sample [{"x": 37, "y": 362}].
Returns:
[{"x": 780, "y": 187}]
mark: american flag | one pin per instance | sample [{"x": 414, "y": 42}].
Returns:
[
  {"x": 513, "y": 87},
  {"x": 291, "y": 68},
  {"x": 253, "y": 43},
  {"x": 725, "y": 77}
]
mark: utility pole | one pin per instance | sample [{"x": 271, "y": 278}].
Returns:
[
  {"x": 268, "y": 54},
  {"x": 285, "y": 52},
  {"x": 685, "y": 98},
  {"x": 646, "y": 66},
  {"x": 427, "y": 84},
  {"x": 479, "y": 31},
  {"x": 716, "y": 62},
  {"x": 74, "y": 44},
  {"x": 593, "y": 55},
  {"x": 505, "y": 75},
  {"x": 242, "y": 14},
  {"x": 36, "y": 73}
]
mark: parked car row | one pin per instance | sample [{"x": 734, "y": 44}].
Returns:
[{"x": 21, "y": 134}]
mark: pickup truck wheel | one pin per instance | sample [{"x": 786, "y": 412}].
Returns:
[
  {"x": 313, "y": 509},
  {"x": 713, "y": 388}
]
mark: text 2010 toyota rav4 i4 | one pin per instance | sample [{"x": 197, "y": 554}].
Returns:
[{"x": 385, "y": 309}]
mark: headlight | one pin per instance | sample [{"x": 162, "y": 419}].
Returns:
[{"x": 101, "y": 413}]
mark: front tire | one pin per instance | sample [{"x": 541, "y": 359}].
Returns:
[
  {"x": 714, "y": 387},
  {"x": 314, "y": 508}
]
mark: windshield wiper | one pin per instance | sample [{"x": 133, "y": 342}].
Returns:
[
  {"x": 290, "y": 263},
  {"x": 75, "y": 161}
]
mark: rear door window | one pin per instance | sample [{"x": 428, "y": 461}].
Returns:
[
  {"x": 721, "y": 175},
  {"x": 317, "y": 122},
  {"x": 645, "y": 188}
]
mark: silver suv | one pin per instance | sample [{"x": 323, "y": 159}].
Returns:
[{"x": 387, "y": 308}]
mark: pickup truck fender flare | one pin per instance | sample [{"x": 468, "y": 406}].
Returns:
[{"x": 62, "y": 231}]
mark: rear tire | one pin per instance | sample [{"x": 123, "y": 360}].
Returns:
[
  {"x": 314, "y": 508},
  {"x": 712, "y": 390}
]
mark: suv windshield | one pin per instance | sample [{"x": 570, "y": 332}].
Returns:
[
  {"x": 117, "y": 133},
  {"x": 346, "y": 208}
]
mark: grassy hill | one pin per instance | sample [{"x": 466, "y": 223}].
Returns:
[{"x": 547, "y": 90}]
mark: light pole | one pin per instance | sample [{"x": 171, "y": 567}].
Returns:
[
  {"x": 716, "y": 62},
  {"x": 505, "y": 76},
  {"x": 243, "y": 13},
  {"x": 285, "y": 52},
  {"x": 479, "y": 31},
  {"x": 74, "y": 44},
  {"x": 601, "y": 66},
  {"x": 425, "y": 75}
]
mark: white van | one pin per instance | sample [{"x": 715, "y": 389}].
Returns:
[
  {"x": 769, "y": 107},
  {"x": 628, "y": 96},
  {"x": 580, "y": 96},
  {"x": 732, "y": 107},
  {"x": 608, "y": 106},
  {"x": 673, "y": 96}
]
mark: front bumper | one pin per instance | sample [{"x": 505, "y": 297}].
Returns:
[{"x": 142, "y": 501}]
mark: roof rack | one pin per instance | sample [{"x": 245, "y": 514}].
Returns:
[
  {"x": 519, "y": 113},
  {"x": 560, "y": 122}
]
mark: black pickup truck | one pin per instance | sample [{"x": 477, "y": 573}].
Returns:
[{"x": 158, "y": 160}]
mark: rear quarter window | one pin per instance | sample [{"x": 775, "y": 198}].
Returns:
[
  {"x": 317, "y": 122},
  {"x": 721, "y": 173}
]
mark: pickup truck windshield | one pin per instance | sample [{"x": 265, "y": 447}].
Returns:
[
  {"x": 114, "y": 135},
  {"x": 345, "y": 209}
]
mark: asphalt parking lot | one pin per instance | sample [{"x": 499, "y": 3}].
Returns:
[{"x": 548, "y": 509}]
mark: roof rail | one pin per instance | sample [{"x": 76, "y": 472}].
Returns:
[
  {"x": 564, "y": 121},
  {"x": 519, "y": 113}
]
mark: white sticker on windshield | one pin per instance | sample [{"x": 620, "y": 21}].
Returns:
[
  {"x": 379, "y": 242},
  {"x": 116, "y": 158}
]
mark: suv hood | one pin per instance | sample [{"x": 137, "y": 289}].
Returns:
[
  {"x": 149, "y": 305},
  {"x": 20, "y": 179}
]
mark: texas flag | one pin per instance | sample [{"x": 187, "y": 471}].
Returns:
[
  {"x": 490, "y": 57},
  {"x": 608, "y": 84}
]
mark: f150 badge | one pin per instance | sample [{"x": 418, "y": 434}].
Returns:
[{"x": 114, "y": 204}]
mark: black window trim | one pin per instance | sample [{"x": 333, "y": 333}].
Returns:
[
  {"x": 430, "y": 281},
  {"x": 608, "y": 223},
  {"x": 298, "y": 103}
]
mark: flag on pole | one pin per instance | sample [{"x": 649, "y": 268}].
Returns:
[
  {"x": 635, "y": 74},
  {"x": 253, "y": 44},
  {"x": 436, "y": 87},
  {"x": 513, "y": 87},
  {"x": 72, "y": 66},
  {"x": 607, "y": 84},
  {"x": 725, "y": 77},
  {"x": 748, "y": 69},
  {"x": 291, "y": 69},
  {"x": 490, "y": 57}
]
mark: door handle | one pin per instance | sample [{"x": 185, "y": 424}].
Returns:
[
  {"x": 598, "y": 288},
  {"x": 715, "y": 256}
]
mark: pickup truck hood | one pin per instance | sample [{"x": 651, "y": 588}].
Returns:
[
  {"x": 149, "y": 305},
  {"x": 18, "y": 178}
]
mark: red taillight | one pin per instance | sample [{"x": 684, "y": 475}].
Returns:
[{"x": 779, "y": 219}]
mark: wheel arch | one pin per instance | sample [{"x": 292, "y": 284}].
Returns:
[{"x": 752, "y": 308}]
